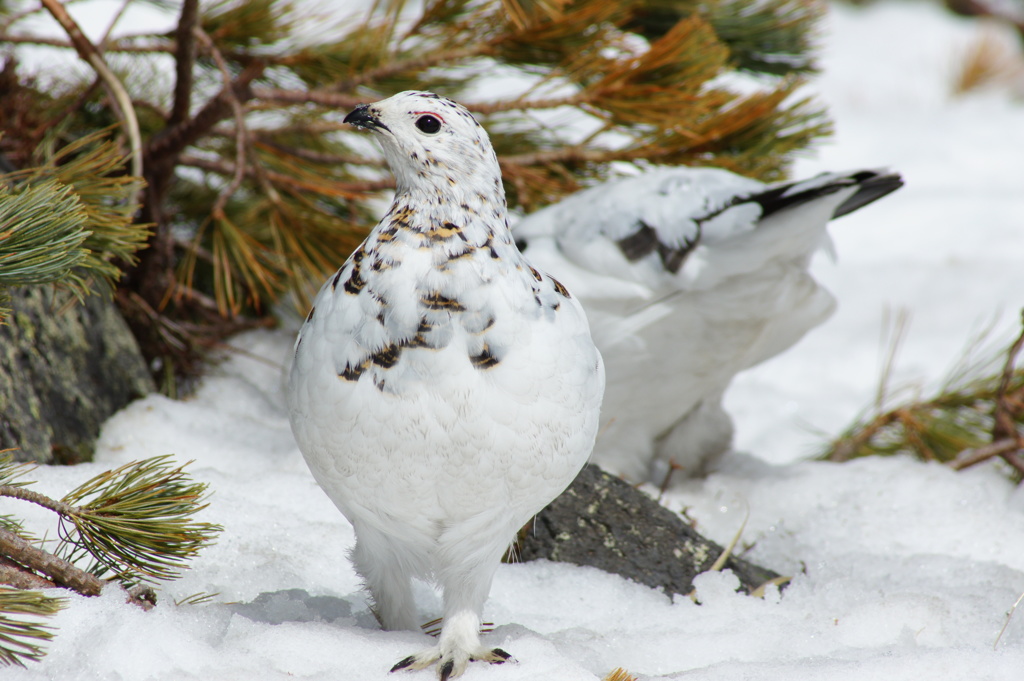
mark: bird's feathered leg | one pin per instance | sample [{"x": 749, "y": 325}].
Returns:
[
  {"x": 388, "y": 578},
  {"x": 471, "y": 553}
]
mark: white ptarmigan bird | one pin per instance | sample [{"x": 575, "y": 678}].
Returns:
[
  {"x": 443, "y": 391},
  {"x": 689, "y": 276}
]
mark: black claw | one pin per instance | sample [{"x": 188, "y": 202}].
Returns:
[
  {"x": 498, "y": 652},
  {"x": 446, "y": 669},
  {"x": 404, "y": 664}
]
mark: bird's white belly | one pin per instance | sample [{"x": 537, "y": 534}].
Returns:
[{"x": 452, "y": 445}]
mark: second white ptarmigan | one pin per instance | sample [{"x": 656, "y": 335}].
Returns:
[
  {"x": 443, "y": 391},
  {"x": 689, "y": 276}
]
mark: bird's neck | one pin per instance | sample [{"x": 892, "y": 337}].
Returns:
[{"x": 477, "y": 211}]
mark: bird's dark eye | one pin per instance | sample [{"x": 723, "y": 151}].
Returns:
[{"x": 428, "y": 124}]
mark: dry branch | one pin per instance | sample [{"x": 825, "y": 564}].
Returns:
[
  {"x": 91, "y": 55},
  {"x": 59, "y": 570}
]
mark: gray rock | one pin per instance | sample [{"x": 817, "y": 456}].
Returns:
[
  {"x": 603, "y": 522},
  {"x": 64, "y": 369}
]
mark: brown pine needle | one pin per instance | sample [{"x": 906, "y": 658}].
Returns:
[
  {"x": 760, "y": 591},
  {"x": 1006, "y": 624},
  {"x": 988, "y": 62},
  {"x": 619, "y": 674}
]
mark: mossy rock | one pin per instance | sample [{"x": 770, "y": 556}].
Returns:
[
  {"x": 604, "y": 522},
  {"x": 65, "y": 368}
]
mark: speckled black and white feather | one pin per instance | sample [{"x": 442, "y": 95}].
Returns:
[
  {"x": 443, "y": 390},
  {"x": 689, "y": 276}
]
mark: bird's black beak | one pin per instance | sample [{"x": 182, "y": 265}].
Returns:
[{"x": 363, "y": 117}]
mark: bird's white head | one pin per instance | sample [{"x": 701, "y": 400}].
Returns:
[{"x": 433, "y": 144}]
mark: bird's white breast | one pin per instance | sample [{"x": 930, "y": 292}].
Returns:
[{"x": 491, "y": 411}]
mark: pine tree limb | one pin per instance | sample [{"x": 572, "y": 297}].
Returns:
[
  {"x": 42, "y": 237},
  {"x": 46, "y": 41},
  {"x": 155, "y": 273},
  {"x": 172, "y": 141},
  {"x": 353, "y": 189},
  {"x": 977, "y": 416},
  {"x": 487, "y": 108},
  {"x": 971, "y": 457},
  {"x": 137, "y": 522},
  {"x": 318, "y": 157},
  {"x": 19, "y": 577},
  {"x": 331, "y": 100},
  {"x": 70, "y": 220},
  {"x": 62, "y": 572},
  {"x": 25, "y": 494},
  {"x": 184, "y": 61}
]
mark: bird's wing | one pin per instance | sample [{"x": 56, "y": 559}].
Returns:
[{"x": 686, "y": 228}]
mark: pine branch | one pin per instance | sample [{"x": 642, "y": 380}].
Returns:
[
  {"x": 971, "y": 457},
  {"x": 318, "y": 157},
  {"x": 69, "y": 219},
  {"x": 348, "y": 189},
  {"x": 19, "y": 577},
  {"x": 42, "y": 237},
  {"x": 61, "y": 571},
  {"x": 171, "y": 142},
  {"x": 184, "y": 61},
  {"x": 136, "y": 520},
  {"x": 977, "y": 416},
  {"x": 241, "y": 131},
  {"x": 22, "y": 639},
  {"x": 331, "y": 100},
  {"x": 489, "y": 108},
  {"x": 155, "y": 45}
]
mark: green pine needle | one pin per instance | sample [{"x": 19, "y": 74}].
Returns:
[
  {"x": 22, "y": 639},
  {"x": 136, "y": 521},
  {"x": 95, "y": 169},
  {"x": 11, "y": 471},
  {"x": 200, "y": 598},
  {"x": 70, "y": 220},
  {"x": 42, "y": 233}
]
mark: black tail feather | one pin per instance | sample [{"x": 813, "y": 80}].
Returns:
[
  {"x": 871, "y": 185},
  {"x": 871, "y": 189}
]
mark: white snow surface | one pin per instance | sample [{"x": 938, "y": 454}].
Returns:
[{"x": 901, "y": 570}]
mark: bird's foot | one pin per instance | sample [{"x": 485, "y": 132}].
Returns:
[
  {"x": 433, "y": 627},
  {"x": 452, "y": 663}
]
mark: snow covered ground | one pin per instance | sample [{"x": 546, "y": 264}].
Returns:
[{"x": 901, "y": 570}]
